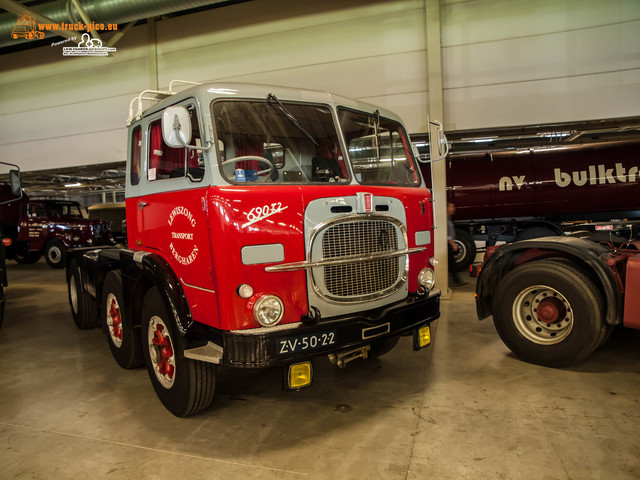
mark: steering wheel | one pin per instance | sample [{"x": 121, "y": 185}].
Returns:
[{"x": 255, "y": 158}]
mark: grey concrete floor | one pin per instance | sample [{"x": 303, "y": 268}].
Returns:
[{"x": 463, "y": 409}]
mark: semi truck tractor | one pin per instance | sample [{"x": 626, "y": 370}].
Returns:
[
  {"x": 511, "y": 195},
  {"x": 266, "y": 226},
  {"x": 554, "y": 300},
  {"x": 48, "y": 227}
]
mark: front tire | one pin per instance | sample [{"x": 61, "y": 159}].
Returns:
[
  {"x": 184, "y": 386},
  {"x": 549, "y": 313},
  {"x": 124, "y": 340},
  {"x": 55, "y": 254}
]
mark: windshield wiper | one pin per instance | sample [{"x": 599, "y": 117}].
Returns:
[{"x": 272, "y": 98}]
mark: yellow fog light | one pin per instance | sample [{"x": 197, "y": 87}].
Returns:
[
  {"x": 300, "y": 375},
  {"x": 422, "y": 337}
]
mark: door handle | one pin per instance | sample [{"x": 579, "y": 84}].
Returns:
[{"x": 141, "y": 205}]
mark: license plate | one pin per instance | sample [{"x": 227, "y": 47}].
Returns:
[{"x": 304, "y": 343}]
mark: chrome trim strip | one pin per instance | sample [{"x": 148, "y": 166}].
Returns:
[
  {"x": 196, "y": 287},
  {"x": 353, "y": 259}
]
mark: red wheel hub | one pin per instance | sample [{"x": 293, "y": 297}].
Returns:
[
  {"x": 114, "y": 313},
  {"x": 551, "y": 310},
  {"x": 165, "y": 349}
]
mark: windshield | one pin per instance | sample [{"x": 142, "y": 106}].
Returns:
[
  {"x": 277, "y": 142},
  {"x": 65, "y": 210},
  {"x": 379, "y": 150}
]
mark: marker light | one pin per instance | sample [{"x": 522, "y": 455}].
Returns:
[
  {"x": 268, "y": 310},
  {"x": 245, "y": 291}
]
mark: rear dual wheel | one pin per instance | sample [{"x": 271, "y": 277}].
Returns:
[
  {"x": 183, "y": 385},
  {"x": 124, "y": 340},
  {"x": 83, "y": 307},
  {"x": 549, "y": 313}
]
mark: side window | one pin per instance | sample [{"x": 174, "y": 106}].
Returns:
[
  {"x": 37, "y": 211},
  {"x": 136, "y": 155},
  {"x": 167, "y": 162}
]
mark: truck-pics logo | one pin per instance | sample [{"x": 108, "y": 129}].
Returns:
[
  {"x": 88, "y": 47},
  {"x": 26, "y": 28},
  {"x": 182, "y": 245},
  {"x": 594, "y": 175}
]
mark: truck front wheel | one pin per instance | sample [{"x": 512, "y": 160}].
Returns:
[
  {"x": 184, "y": 386},
  {"x": 55, "y": 253},
  {"x": 549, "y": 313},
  {"x": 124, "y": 340}
]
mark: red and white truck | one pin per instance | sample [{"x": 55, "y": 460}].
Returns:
[
  {"x": 265, "y": 226},
  {"x": 554, "y": 300}
]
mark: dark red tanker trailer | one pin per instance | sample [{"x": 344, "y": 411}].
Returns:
[{"x": 524, "y": 194}]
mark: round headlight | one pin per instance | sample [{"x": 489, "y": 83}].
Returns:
[
  {"x": 426, "y": 279},
  {"x": 268, "y": 310}
]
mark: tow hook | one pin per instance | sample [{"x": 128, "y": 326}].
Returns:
[{"x": 342, "y": 358}]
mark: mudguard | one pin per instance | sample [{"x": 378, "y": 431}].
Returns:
[{"x": 591, "y": 257}]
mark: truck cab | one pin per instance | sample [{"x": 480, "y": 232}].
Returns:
[{"x": 267, "y": 226}]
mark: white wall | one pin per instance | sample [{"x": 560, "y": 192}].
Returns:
[{"x": 505, "y": 62}]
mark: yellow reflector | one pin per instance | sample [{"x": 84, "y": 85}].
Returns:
[
  {"x": 424, "y": 336},
  {"x": 300, "y": 375}
]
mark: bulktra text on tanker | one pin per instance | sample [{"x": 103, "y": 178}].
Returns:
[{"x": 593, "y": 175}]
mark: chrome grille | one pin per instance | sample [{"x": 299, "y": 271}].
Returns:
[{"x": 363, "y": 237}]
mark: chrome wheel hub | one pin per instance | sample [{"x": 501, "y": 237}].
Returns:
[
  {"x": 161, "y": 352},
  {"x": 542, "y": 315}
]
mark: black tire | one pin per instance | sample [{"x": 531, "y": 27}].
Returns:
[
  {"x": 466, "y": 253},
  {"x": 124, "y": 340},
  {"x": 572, "y": 307},
  {"x": 383, "y": 347},
  {"x": 83, "y": 307},
  {"x": 27, "y": 258},
  {"x": 55, "y": 253},
  {"x": 183, "y": 385},
  {"x": 535, "y": 232}
]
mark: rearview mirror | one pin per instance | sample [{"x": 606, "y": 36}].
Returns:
[
  {"x": 16, "y": 183},
  {"x": 176, "y": 127}
]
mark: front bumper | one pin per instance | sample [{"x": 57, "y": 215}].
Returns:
[{"x": 264, "y": 348}]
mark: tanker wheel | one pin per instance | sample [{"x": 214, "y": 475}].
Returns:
[
  {"x": 183, "y": 385},
  {"x": 549, "y": 313},
  {"x": 124, "y": 340},
  {"x": 466, "y": 250},
  {"x": 83, "y": 307},
  {"x": 55, "y": 253}
]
